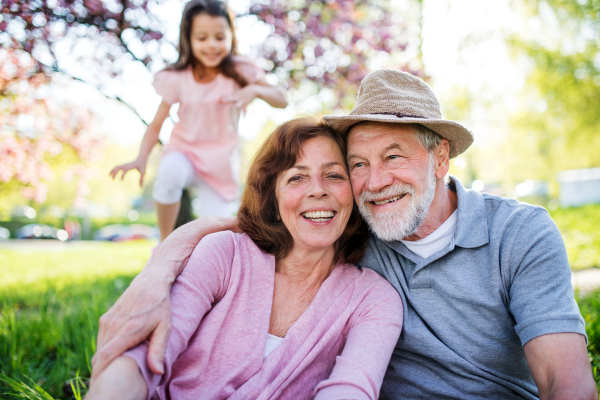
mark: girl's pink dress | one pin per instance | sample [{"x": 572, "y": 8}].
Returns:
[
  {"x": 207, "y": 129},
  {"x": 339, "y": 348}
]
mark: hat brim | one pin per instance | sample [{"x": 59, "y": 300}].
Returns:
[{"x": 459, "y": 137}]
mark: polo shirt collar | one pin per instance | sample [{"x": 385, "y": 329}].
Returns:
[{"x": 471, "y": 226}]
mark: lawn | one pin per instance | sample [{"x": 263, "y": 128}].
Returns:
[
  {"x": 579, "y": 229},
  {"x": 52, "y": 295},
  {"x": 50, "y": 301}
]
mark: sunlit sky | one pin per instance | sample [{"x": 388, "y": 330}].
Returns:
[{"x": 462, "y": 47}]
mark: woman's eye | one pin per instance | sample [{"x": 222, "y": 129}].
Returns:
[
  {"x": 336, "y": 176},
  {"x": 295, "y": 178}
]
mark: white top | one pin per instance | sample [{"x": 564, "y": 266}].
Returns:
[
  {"x": 273, "y": 342},
  {"x": 436, "y": 241}
]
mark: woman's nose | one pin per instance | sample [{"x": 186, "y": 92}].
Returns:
[{"x": 318, "y": 189}]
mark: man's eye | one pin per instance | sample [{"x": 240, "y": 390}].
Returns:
[
  {"x": 358, "y": 165},
  {"x": 394, "y": 156}
]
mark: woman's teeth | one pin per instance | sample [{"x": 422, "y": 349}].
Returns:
[
  {"x": 388, "y": 200},
  {"x": 318, "y": 216}
]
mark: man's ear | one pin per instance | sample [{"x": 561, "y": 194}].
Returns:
[{"x": 442, "y": 159}]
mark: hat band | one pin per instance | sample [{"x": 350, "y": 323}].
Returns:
[{"x": 400, "y": 115}]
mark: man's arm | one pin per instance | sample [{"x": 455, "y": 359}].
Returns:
[
  {"x": 542, "y": 302},
  {"x": 560, "y": 366},
  {"x": 144, "y": 309}
]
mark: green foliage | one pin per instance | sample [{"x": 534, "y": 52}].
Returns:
[
  {"x": 50, "y": 303},
  {"x": 557, "y": 124},
  {"x": 579, "y": 229},
  {"x": 590, "y": 310}
]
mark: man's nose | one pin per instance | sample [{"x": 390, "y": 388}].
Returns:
[{"x": 378, "y": 179}]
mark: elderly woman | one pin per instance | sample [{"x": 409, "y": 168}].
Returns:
[{"x": 278, "y": 311}]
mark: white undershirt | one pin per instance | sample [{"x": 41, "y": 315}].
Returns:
[
  {"x": 436, "y": 241},
  {"x": 273, "y": 342}
]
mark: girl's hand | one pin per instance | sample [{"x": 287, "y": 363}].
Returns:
[
  {"x": 138, "y": 164},
  {"x": 241, "y": 98}
]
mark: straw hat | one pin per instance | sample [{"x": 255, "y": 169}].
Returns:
[{"x": 401, "y": 98}]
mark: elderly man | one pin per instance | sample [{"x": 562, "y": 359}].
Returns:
[{"x": 485, "y": 281}]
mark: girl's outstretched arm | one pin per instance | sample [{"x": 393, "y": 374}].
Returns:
[
  {"x": 122, "y": 379},
  {"x": 148, "y": 142},
  {"x": 273, "y": 95}
]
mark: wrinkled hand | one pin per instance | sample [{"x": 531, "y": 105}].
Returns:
[
  {"x": 241, "y": 98},
  {"x": 143, "y": 311},
  {"x": 138, "y": 164}
]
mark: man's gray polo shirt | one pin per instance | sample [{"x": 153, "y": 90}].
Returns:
[{"x": 469, "y": 309}]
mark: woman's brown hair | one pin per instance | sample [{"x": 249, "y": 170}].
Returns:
[
  {"x": 214, "y": 8},
  {"x": 258, "y": 215}
]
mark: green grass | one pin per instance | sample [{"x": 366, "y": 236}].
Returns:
[
  {"x": 50, "y": 303},
  {"x": 579, "y": 229},
  {"x": 590, "y": 310}
]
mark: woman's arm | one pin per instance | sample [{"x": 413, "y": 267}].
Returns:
[
  {"x": 374, "y": 331},
  {"x": 148, "y": 142},
  {"x": 120, "y": 380}
]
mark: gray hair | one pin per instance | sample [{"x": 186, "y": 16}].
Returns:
[{"x": 428, "y": 138}]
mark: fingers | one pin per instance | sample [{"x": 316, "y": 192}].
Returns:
[
  {"x": 124, "y": 168},
  {"x": 157, "y": 347},
  {"x": 142, "y": 173},
  {"x": 228, "y": 99},
  {"x": 129, "y": 334},
  {"x": 115, "y": 171}
]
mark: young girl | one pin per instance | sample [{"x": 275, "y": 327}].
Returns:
[{"x": 212, "y": 85}]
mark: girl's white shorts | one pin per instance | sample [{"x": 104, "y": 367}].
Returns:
[{"x": 176, "y": 173}]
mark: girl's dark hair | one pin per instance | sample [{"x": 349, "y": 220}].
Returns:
[
  {"x": 214, "y": 8},
  {"x": 258, "y": 213}
]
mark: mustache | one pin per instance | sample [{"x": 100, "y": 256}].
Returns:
[{"x": 398, "y": 189}]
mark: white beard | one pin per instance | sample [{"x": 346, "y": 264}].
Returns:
[{"x": 401, "y": 222}]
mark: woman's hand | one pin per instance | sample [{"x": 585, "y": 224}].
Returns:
[
  {"x": 138, "y": 163},
  {"x": 242, "y": 97},
  {"x": 121, "y": 380}
]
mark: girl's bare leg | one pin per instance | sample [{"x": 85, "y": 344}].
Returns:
[{"x": 167, "y": 216}]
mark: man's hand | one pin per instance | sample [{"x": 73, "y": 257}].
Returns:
[
  {"x": 560, "y": 367},
  {"x": 144, "y": 310}
]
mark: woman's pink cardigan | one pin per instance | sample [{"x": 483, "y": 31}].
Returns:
[{"x": 338, "y": 349}]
